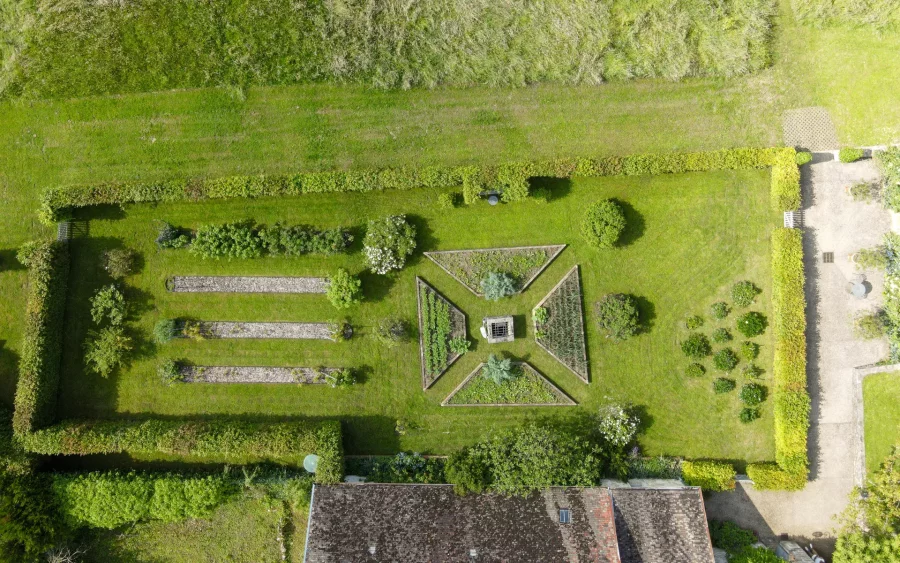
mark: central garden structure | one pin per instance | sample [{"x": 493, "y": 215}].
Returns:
[{"x": 696, "y": 223}]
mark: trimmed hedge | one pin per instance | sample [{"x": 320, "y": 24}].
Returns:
[
  {"x": 35, "y": 401},
  {"x": 708, "y": 475},
  {"x": 222, "y": 441},
  {"x": 511, "y": 179},
  {"x": 791, "y": 399}
]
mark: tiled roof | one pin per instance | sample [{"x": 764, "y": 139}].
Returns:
[{"x": 431, "y": 524}]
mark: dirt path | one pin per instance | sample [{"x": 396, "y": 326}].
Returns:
[{"x": 833, "y": 222}]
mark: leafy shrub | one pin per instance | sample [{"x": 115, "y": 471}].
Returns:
[
  {"x": 446, "y": 201},
  {"x": 344, "y": 290},
  {"x": 749, "y": 350},
  {"x": 541, "y": 195},
  {"x": 866, "y": 192},
  {"x": 229, "y": 240},
  {"x": 119, "y": 262},
  {"x": 498, "y": 369},
  {"x": 725, "y": 359},
  {"x": 193, "y": 329},
  {"x": 341, "y": 378},
  {"x": 870, "y": 324},
  {"x": 708, "y": 475},
  {"x": 719, "y": 310},
  {"x": 744, "y": 293},
  {"x": 730, "y": 537},
  {"x": 459, "y": 345},
  {"x": 753, "y": 394},
  {"x": 36, "y": 387},
  {"x": 388, "y": 243},
  {"x": 756, "y": 555},
  {"x": 721, "y": 336},
  {"x": 696, "y": 346},
  {"x": 617, "y": 425},
  {"x": 723, "y": 385},
  {"x": 694, "y": 322},
  {"x": 212, "y": 441},
  {"x": 871, "y": 258},
  {"x": 437, "y": 331},
  {"x": 340, "y": 331},
  {"x": 694, "y": 370},
  {"x": 165, "y": 330},
  {"x": 889, "y": 165},
  {"x": 541, "y": 315},
  {"x": 107, "y": 350},
  {"x": 391, "y": 331},
  {"x": 617, "y": 314},
  {"x": 497, "y": 285},
  {"x": 752, "y": 324},
  {"x": 168, "y": 372},
  {"x": 849, "y": 154},
  {"x": 749, "y": 414},
  {"x": 109, "y": 304},
  {"x": 297, "y": 240},
  {"x": 28, "y": 511},
  {"x": 172, "y": 237},
  {"x": 803, "y": 157},
  {"x": 407, "y": 468},
  {"x": 603, "y": 224},
  {"x": 752, "y": 371},
  {"x": 768, "y": 476}
]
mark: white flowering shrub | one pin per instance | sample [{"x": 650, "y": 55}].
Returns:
[
  {"x": 617, "y": 425},
  {"x": 388, "y": 243}
]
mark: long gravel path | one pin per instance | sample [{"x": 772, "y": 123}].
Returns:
[
  {"x": 253, "y": 374},
  {"x": 246, "y": 284},
  {"x": 301, "y": 331}
]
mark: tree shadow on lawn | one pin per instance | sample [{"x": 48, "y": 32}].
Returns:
[
  {"x": 634, "y": 224},
  {"x": 646, "y": 313},
  {"x": 376, "y": 287},
  {"x": 110, "y": 212},
  {"x": 425, "y": 239},
  {"x": 8, "y": 260},
  {"x": 9, "y": 369},
  {"x": 559, "y": 187}
]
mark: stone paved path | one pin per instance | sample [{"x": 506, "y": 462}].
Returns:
[{"x": 833, "y": 223}]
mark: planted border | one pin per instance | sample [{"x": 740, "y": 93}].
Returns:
[
  {"x": 530, "y": 374},
  {"x": 523, "y": 263},
  {"x": 213, "y": 441},
  {"x": 792, "y": 403},
  {"x": 439, "y": 322},
  {"x": 290, "y": 331},
  {"x": 246, "y": 284},
  {"x": 564, "y": 337},
  {"x": 254, "y": 374},
  {"x": 36, "y": 389},
  {"x": 512, "y": 178}
]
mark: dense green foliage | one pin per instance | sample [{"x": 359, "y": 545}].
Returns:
[
  {"x": 708, "y": 475},
  {"x": 499, "y": 370},
  {"x": 28, "y": 513},
  {"x": 165, "y": 330},
  {"x": 791, "y": 399},
  {"x": 437, "y": 330},
  {"x": 730, "y": 537},
  {"x": 723, "y": 385},
  {"x": 107, "y": 349},
  {"x": 109, "y": 304},
  {"x": 81, "y": 48},
  {"x": 246, "y": 239},
  {"x": 744, "y": 293},
  {"x": 559, "y": 325},
  {"x": 696, "y": 346},
  {"x": 214, "y": 440},
  {"x": 404, "y": 467},
  {"x": 119, "y": 262},
  {"x": 389, "y": 242},
  {"x": 871, "y": 524},
  {"x": 344, "y": 289},
  {"x": 169, "y": 236},
  {"x": 719, "y": 310},
  {"x": 875, "y": 258},
  {"x": 850, "y": 154},
  {"x": 112, "y": 499},
  {"x": 618, "y": 316},
  {"x": 721, "y": 336},
  {"x": 694, "y": 370},
  {"x": 48, "y": 270},
  {"x": 753, "y": 394},
  {"x": 725, "y": 360},
  {"x": 12, "y": 458},
  {"x": 889, "y": 164},
  {"x": 694, "y": 322},
  {"x": 497, "y": 285},
  {"x": 749, "y": 350},
  {"x": 501, "y": 383},
  {"x": 603, "y": 224},
  {"x": 756, "y": 555},
  {"x": 752, "y": 324}
]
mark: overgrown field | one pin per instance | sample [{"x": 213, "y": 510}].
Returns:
[
  {"x": 881, "y": 15},
  {"x": 721, "y": 220},
  {"x": 61, "y": 48}
]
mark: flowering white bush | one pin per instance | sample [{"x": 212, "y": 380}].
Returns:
[
  {"x": 389, "y": 241},
  {"x": 617, "y": 425}
]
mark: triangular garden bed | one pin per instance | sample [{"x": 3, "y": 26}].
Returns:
[
  {"x": 439, "y": 323},
  {"x": 469, "y": 267},
  {"x": 562, "y": 336},
  {"x": 530, "y": 389}
]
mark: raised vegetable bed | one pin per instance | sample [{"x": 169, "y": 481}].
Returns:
[
  {"x": 528, "y": 389},
  {"x": 562, "y": 335},
  {"x": 439, "y": 323},
  {"x": 469, "y": 267}
]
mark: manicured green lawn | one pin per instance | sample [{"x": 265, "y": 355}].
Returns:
[
  {"x": 881, "y": 395},
  {"x": 690, "y": 237}
]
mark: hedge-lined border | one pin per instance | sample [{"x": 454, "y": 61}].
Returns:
[
  {"x": 792, "y": 403},
  {"x": 511, "y": 179},
  {"x": 36, "y": 389},
  {"x": 708, "y": 475},
  {"x": 213, "y": 441}
]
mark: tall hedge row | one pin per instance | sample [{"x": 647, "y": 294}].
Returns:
[
  {"x": 224, "y": 441},
  {"x": 791, "y": 399},
  {"x": 512, "y": 179},
  {"x": 48, "y": 271}
]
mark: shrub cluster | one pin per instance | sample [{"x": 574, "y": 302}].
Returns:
[
  {"x": 603, "y": 224},
  {"x": 752, "y": 324},
  {"x": 406, "y": 468},
  {"x": 436, "y": 331},
  {"x": 246, "y": 239},
  {"x": 48, "y": 271},
  {"x": 618, "y": 316},
  {"x": 112, "y": 499},
  {"x": 56, "y": 202},
  {"x": 344, "y": 289},
  {"x": 789, "y": 393},
  {"x": 744, "y": 293},
  {"x": 708, "y": 475},
  {"x": 389, "y": 242},
  {"x": 850, "y": 154},
  {"x": 225, "y": 441},
  {"x": 696, "y": 346},
  {"x": 119, "y": 262},
  {"x": 889, "y": 165}
]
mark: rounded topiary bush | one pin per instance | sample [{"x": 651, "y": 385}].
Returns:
[
  {"x": 618, "y": 316},
  {"x": 744, "y": 293},
  {"x": 603, "y": 224},
  {"x": 725, "y": 359},
  {"x": 753, "y": 394},
  {"x": 749, "y": 350},
  {"x": 694, "y": 370},
  {"x": 749, "y": 414},
  {"x": 752, "y": 324},
  {"x": 723, "y": 385},
  {"x": 719, "y": 310},
  {"x": 694, "y": 322},
  {"x": 696, "y": 345},
  {"x": 721, "y": 335}
]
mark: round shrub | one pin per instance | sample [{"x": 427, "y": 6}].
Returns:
[
  {"x": 341, "y": 378},
  {"x": 752, "y": 324},
  {"x": 694, "y": 370},
  {"x": 723, "y": 385},
  {"x": 165, "y": 330},
  {"x": 752, "y": 371},
  {"x": 849, "y": 154},
  {"x": 459, "y": 345},
  {"x": 693, "y": 323},
  {"x": 871, "y": 324},
  {"x": 109, "y": 304},
  {"x": 696, "y": 345},
  {"x": 725, "y": 359},
  {"x": 446, "y": 201},
  {"x": 803, "y": 157},
  {"x": 749, "y": 414},
  {"x": 498, "y": 369},
  {"x": 107, "y": 350},
  {"x": 497, "y": 285},
  {"x": 168, "y": 372},
  {"x": 389, "y": 241},
  {"x": 617, "y": 314},
  {"x": 749, "y": 350},
  {"x": 540, "y": 315},
  {"x": 753, "y": 394},
  {"x": 344, "y": 290},
  {"x": 721, "y": 336},
  {"x": 744, "y": 293},
  {"x": 119, "y": 262},
  {"x": 603, "y": 224},
  {"x": 719, "y": 310}
]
